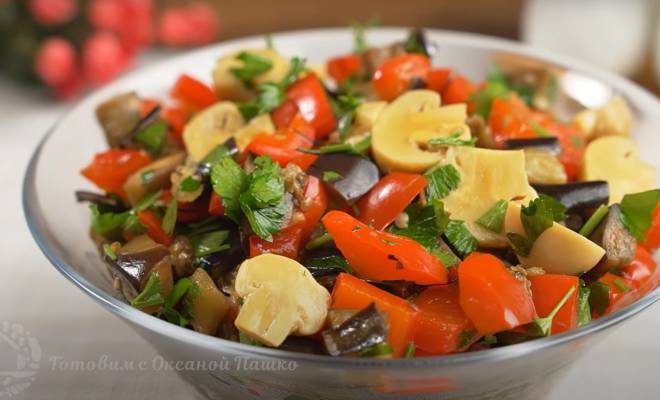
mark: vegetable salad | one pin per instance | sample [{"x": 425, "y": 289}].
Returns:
[{"x": 374, "y": 206}]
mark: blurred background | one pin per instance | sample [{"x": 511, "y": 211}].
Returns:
[{"x": 70, "y": 46}]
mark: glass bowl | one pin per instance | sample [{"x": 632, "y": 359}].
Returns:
[{"x": 222, "y": 369}]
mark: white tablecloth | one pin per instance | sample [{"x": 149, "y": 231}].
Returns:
[{"x": 71, "y": 327}]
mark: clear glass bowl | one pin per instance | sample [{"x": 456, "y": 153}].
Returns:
[{"x": 229, "y": 370}]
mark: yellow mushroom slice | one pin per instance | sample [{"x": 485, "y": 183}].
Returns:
[
  {"x": 231, "y": 88},
  {"x": 280, "y": 298},
  {"x": 367, "y": 113},
  {"x": 558, "y": 250},
  {"x": 401, "y": 132},
  {"x": 615, "y": 159},
  {"x": 259, "y": 124},
  {"x": 210, "y": 306},
  {"x": 612, "y": 119},
  {"x": 486, "y": 177},
  {"x": 211, "y": 127}
]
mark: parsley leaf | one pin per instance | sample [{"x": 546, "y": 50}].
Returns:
[
  {"x": 496, "y": 86},
  {"x": 359, "y": 31},
  {"x": 190, "y": 184},
  {"x": 109, "y": 252},
  {"x": 520, "y": 244},
  {"x": 493, "y": 219},
  {"x": 184, "y": 287},
  {"x": 543, "y": 326},
  {"x": 253, "y": 65},
  {"x": 465, "y": 338},
  {"x": 331, "y": 176},
  {"x": 214, "y": 156},
  {"x": 558, "y": 210},
  {"x": 584, "y": 311},
  {"x": 268, "y": 220},
  {"x": 169, "y": 219},
  {"x": 345, "y": 107},
  {"x": 460, "y": 238},
  {"x": 106, "y": 223},
  {"x": 270, "y": 97},
  {"x": 442, "y": 180},
  {"x": 327, "y": 264},
  {"x": 425, "y": 224},
  {"x": 208, "y": 243},
  {"x": 150, "y": 295},
  {"x": 452, "y": 140},
  {"x": 538, "y": 216},
  {"x": 266, "y": 185},
  {"x": 415, "y": 43},
  {"x": 357, "y": 149},
  {"x": 410, "y": 350},
  {"x": 599, "y": 298},
  {"x": 297, "y": 66},
  {"x": 229, "y": 181},
  {"x": 637, "y": 212},
  {"x": 621, "y": 285},
  {"x": 377, "y": 350},
  {"x": 152, "y": 136}
]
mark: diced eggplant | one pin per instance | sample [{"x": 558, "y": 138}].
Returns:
[
  {"x": 111, "y": 202},
  {"x": 620, "y": 246},
  {"x": 578, "y": 195},
  {"x": 228, "y": 148},
  {"x": 418, "y": 43},
  {"x": 301, "y": 344},
  {"x": 353, "y": 176},
  {"x": 228, "y": 259},
  {"x": 119, "y": 116},
  {"x": 549, "y": 144},
  {"x": 324, "y": 261},
  {"x": 134, "y": 261},
  {"x": 374, "y": 56},
  {"x": 366, "y": 328},
  {"x": 151, "y": 117},
  {"x": 574, "y": 221}
]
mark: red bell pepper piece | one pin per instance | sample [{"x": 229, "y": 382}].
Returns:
[
  {"x": 288, "y": 242},
  {"x": 176, "y": 118},
  {"x": 510, "y": 119},
  {"x": 437, "y": 79},
  {"x": 154, "y": 227},
  {"x": 353, "y": 293},
  {"x": 440, "y": 321},
  {"x": 458, "y": 90},
  {"x": 491, "y": 296},
  {"x": 193, "y": 93},
  {"x": 547, "y": 291},
  {"x": 343, "y": 67},
  {"x": 283, "y": 146},
  {"x": 394, "y": 76},
  {"x": 215, "y": 205},
  {"x": 313, "y": 104},
  {"x": 147, "y": 106},
  {"x": 389, "y": 197},
  {"x": 110, "y": 169},
  {"x": 304, "y": 160},
  {"x": 642, "y": 273},
  {"x": 380, "y": 255},
  {"x": 284, "y": 114},
  {"x": 652, "y": 241},
  {"x": 572, "y": 146},
  {"x": 622, "y": 292}
]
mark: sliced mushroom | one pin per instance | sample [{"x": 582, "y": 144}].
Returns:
[
  {"x": 135, "y": 260},
  {"x": 400, "y": 135},
  {"x": 118, "y": 116},
  {"x": 615, "y": 159},
  {"x": 543, "y": 167},
  {"x": 549, "y": 144},
  {"x": 260, "y": 124},
  {"x": 366, "y": 114},
  {"x": 209, "y": 305},
  {"x": 356, "y": 176},
  {"x": 186, "y": 171},
  {"x": 211, "y": 127},
  {"x": 364, "y": 329},
  {"x": 620, "y": 246},
  {"x": 231, "y": 88},
  {"x": 280, "y": 298},
  {"x": 612, "y": 119},
  {"x": 153, "y": 177},
  {"x": 486, "y": 177},
  {"x": 558, "y": 250}
]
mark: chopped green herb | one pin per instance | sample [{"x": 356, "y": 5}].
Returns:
[
  {"x": 133, "y": 224},
  {"x": 466, "y": 338},
  {"x": 599, "y": 298},
  {"x": 539, "y": 130},
  {"x": 331, "y": 176},
  {"x": 460, "y": 238},
  {"x": 356, "y": 149},
  {"x": 184, "y": 288},
  {"x": 107, "y": 250},
  {"x": 497, "y": 86},
  {"x": 229, "y": 181},
  {"x": 297, "y": 66},
  {"x": 425, "y": 224},
  {"x": 452, "y": 140},
  {"x": 245, "y": 339},
  {"x": 377, "y": 350},
  {"x": 218, "y": 153},
  {"x": 153, "y": 136},
  {"x": 253, "y": 65},
  {"x": 147, "y": 202},
  {"x": 359, "y": 34},
  {"x": 344, "y": 108},
  {"x": 520, "y": 244},
  {"x": 328, "y": 263},
  {"x": 490, "y": 340},
  {"x": 169, "y": 219},
  {"x": 318, "y": 241},
  {"x": 596, "y": 218},
  {"x": 538, "y": 216},
  {"x": 269, "y": 97},
  {"x": 637, "y": 212},
  {"x": 106, "y": 223},
  {"x": 584, "y": 311},
  {"x": 150, "y": 295},
  {"x": 558, "y": 210},
  {"x": 442, "y": 180},
  {"x": 493, "y": 219},
  {"x": 543, "y": 326},
  {"x": 621, "y": 285},
  {"x": 147, "y": 177},
  {"x": 209, "y": 243},
  {"x": 447, "y": 258},
  {"x": 414, "y": 43},
  {"x": 190, "y": 184},
  {"x": 409, "y": 352}
]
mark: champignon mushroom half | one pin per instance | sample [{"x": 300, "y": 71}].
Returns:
[
  {"x": 211, "y": 127},
  {"x": 280, "y": 298}
]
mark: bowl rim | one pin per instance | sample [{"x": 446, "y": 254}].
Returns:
[{"x": 38, "y": 228}]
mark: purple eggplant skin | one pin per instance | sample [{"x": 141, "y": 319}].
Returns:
[
  {"x": 118, "y": 116},
  {"x": 133, "y": 263},
  {"x": 365, "y": 329},
  {"x": 356, "y": 176},
  {"x": 578, "y": 195},
  {"x": 549, "y": 144}
]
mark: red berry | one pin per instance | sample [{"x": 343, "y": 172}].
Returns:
[
  {"x": 106, "y": 14},
  {"x": 55, "y": 61},
  {"x": 138, "y": 29},
  {"x": 103, "y": 57},
  {"x": 204, "y": 20},
  {"x": 174, "y": 28},
  {"x": 53, "y": 12},
  {"x": 70, "y": 89}
]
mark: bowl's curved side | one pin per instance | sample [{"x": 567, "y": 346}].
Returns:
[{"x": 76, "y": 259}]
